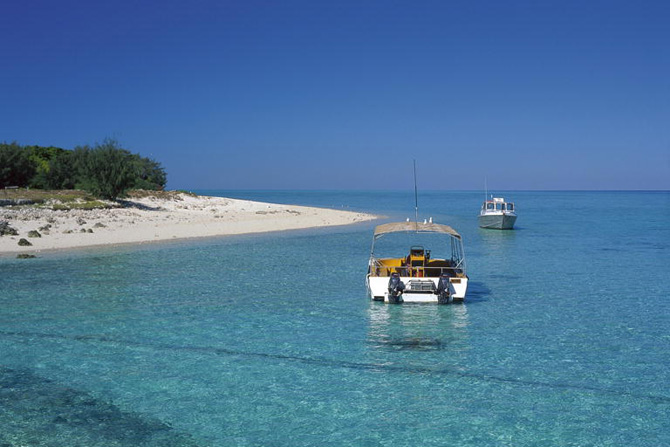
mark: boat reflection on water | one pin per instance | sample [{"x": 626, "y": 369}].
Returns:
[
  {"x": 418, "y": 328},
  {"x": 497, "y": 241}
]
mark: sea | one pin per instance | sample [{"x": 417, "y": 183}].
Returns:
[{"x": 270, "y": 339}]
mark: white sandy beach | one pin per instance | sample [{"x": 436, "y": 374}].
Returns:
[{"x": 151, "y": 219}]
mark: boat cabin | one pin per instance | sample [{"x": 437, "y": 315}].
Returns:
[{"x": 497, "y": 205}]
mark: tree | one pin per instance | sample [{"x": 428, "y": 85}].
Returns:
[
  {"x": 148, "y": 173},
  {"x": 62, "y": 173},
  {"x": 43, "y": 159},
  {"x": 15, "y": 166},
  {"x": 106, "y": 170}
]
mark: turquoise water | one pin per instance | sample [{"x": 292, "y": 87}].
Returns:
[{"x": 270, "y": 340}]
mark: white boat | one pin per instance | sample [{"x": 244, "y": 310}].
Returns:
[
  {"x": 410, "y": 273},
  {"x": 497, "y": 214}
]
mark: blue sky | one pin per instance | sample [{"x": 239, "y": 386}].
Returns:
[{"x": 344, "y": 95}]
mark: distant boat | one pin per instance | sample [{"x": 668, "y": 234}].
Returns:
[{"x": 497, "y": 214}]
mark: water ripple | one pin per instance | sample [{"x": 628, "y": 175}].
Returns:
[{"x": 328, "y": 362}]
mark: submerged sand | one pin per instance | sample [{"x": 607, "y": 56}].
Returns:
[{"x": 153, "y": 219}]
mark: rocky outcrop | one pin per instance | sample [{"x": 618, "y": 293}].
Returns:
[{"x": 6, "y": 230}]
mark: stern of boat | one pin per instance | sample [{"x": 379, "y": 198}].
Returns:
[{"x": 417, "y": 290}]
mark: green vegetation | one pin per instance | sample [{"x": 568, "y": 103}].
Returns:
[
  {"x": 105, "y": 170},
  {"x": 54, "y": 199},
  {"x": 165, "y": 195},
  {"x": 90, "y": 205}
]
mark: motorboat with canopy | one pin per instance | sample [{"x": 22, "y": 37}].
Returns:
[{"x": 421, "y": 263}]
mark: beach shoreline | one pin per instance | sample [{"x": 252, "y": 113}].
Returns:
[{"x": 149, "y": 219}]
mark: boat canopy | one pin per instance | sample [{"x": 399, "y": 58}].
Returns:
[{"x": 419, "y": 227}]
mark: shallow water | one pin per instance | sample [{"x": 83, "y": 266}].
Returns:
[{"x": 564, "y": 338}]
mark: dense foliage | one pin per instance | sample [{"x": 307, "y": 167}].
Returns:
[{"x": 105, "y": 169}]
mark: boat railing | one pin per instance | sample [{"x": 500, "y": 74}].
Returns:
[{"x": 379, "y": 268}]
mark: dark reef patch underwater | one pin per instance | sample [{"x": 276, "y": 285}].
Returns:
[{"x": 35, "y": 411}]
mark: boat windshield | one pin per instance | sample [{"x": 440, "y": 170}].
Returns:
[
  {"x": 510, "y": 207},
  {"x": 489, "y": 205}
]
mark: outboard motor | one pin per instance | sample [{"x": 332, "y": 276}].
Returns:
[
  {"x": 395, "y": 289},
  {"x": 442, "y": 291}
]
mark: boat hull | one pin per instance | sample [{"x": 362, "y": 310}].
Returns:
[
  {"x": 497, "y": 221},
  {"x": 422, "y": 292}
]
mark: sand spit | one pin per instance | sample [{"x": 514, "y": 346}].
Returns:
[{"x": 152, "y": 219}]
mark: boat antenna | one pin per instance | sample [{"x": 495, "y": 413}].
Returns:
[
  {"x": 486, "y": 190},
  {"x": 416, "y": 200}
]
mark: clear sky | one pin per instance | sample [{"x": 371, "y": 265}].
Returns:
[{"x": 345, "y": 94}]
